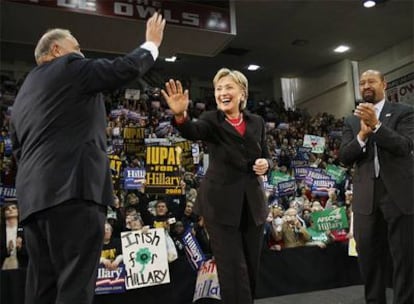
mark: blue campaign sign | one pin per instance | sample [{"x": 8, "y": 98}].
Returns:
[
  {"x": 110, "y": 281},
  {"x": 134, "y": 178}
]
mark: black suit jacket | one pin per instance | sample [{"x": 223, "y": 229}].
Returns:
[
  {"x": 395, "y": 145},
  {"x": 230, "y": 178},
  {"x": 58, "y": 129}
]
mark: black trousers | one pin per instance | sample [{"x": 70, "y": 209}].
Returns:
[
  {"x": 386, "y": 231},
  {"x": 237, "y": 254},
  {"x": 64, "y": 244}
]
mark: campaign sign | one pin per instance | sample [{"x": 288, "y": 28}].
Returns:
[
  {"x": 286, "y": 188},
  {"x": 193, "y": 250},
  {"x": 315, "y": 173},
  {"x": 187, "y": 157},
  {"x": 7, "y": 192},
  {"x": 207, "y": 284},
  {"x": 317, "y": 143},
  {"x": 134, "y": 178},
  {"x": 110, "y": 281},
  {"x": 133, "y": 139},
  {"x": 321, "y": 186},
  {"x": 163, "y": 170},
  {"x": 278, "y": 176},
  {"x": 303, "y": 153},
  {"x": 331, "y": 219},
  {"x": 336, "y": 172},
  {"x": 301, "y": 172},
  {"x": 145, "y": 258}
]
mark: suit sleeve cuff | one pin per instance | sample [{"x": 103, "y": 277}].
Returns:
[
  {"x": 361, "y": 142},
  {"x": 150, "y": 46}
]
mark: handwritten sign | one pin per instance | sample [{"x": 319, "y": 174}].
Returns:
[{"x": 145, "y": 258}]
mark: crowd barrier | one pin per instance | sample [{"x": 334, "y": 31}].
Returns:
[{"x": 289, "y": 271}]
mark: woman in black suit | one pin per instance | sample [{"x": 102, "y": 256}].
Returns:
[{"x": 231, "y": 196}]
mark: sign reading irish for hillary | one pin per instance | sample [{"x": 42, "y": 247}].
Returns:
[
  {"x": 145, "y": 258},
  {"x": 163, "y": 170}
]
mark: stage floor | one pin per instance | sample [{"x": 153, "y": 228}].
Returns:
[{"x": 345, "y": 295}]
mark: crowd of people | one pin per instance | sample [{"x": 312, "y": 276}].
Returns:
[
  {"x": 166, "y": 162},
  {"x": 285, "y": 133}
]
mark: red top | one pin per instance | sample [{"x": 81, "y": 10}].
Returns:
[
  {"x": 239, "y": 126},
  {"x": 235, "y": 122}
]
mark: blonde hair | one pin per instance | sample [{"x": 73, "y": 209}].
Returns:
[
  {"x": 45, "y": 43},
  {"x": 239, "y": 78}
]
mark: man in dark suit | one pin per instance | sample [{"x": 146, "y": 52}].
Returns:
[
  {"x": 379, "y": 140},
  {"x": 63, "y": 181},
  {"x": 231, "y": 197}
]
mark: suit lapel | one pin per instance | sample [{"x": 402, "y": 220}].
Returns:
[
  {"x": 386, "y": 113},
  {"x": 251, "y": 126}
]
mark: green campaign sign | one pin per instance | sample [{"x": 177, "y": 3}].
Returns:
[
  {"x": 331, "y": 219},
  {"x": 337, "y": 173},
  {"x": 276, "y": 177}
]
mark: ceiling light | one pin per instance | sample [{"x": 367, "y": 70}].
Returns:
[
  {"x": 369, "y": 3},
  {"x": 171, "y": 59},
  {"x": 341, "y": 49},
  {"x": 253, "y": 67}
]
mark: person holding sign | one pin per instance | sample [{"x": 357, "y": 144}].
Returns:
[
  {"x": 379, "y": 140},
  {"x": 63, "y": 181},
  {"x": 231, "y": 196}
]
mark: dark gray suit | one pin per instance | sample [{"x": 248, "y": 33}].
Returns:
[
  {"x": 384, "y": 207},
  {"x": 63, "y": 180},
  {"x": 231, "y": 199}
]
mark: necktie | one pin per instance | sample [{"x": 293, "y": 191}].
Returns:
[{"x": 376, "y": 161}]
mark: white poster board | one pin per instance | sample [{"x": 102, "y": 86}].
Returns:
[{"x": 145, "y": 258}]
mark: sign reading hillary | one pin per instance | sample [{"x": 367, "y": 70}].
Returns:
[
  {"x": 7, "y": 192},
  {"x": 315, "y": 173},
  {"x": 145, "y": 258},
  {"x": 133, "y": 139},
  {"x": 321, "y": 186},
  {"x": 163, "y": 170},
  {"x": 194, "y": 253},
  {"x": 207, "y": 284},
  {"x": 331, "y": 219},
  {"x": 317, "y": 143},
  {"x": 301, "y": 172},
  {"x": 110, "y": 281},
  {"x": 134, "y": 178},
  {"x": 286, "y": 188}
]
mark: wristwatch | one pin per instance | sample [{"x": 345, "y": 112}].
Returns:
[{"x": 376, "y": 127}]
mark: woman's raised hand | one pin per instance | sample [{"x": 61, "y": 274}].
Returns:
[{"x": 176, "y": 98}]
